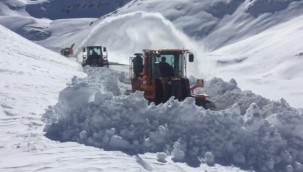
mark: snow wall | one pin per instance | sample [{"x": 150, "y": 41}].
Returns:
[{"x": 247, "y": 130}]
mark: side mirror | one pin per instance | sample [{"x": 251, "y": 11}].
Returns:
[
  {"x": 83, "y": 49},
  {"x": 104, "y": 49},
  {"x": 191, "y": 57}
]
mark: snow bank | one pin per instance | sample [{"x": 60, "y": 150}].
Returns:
[{"x": 253, "y": 133}]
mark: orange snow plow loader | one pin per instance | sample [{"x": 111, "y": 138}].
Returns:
[{"x": 161, "y": 74}]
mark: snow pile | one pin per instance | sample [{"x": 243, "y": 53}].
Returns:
[{"x": 265, "y": 137}]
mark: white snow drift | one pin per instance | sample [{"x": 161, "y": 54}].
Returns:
[{"x": 249, "y": 131}]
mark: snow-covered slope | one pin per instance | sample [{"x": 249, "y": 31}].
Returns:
[
  {"x": 13, "y": 7},
  {"x": 59, "y": 9},
  {"x": 220, "y": 22},
  {"x": 31, "y": 79},
  {"x": 270, "y": 63}
]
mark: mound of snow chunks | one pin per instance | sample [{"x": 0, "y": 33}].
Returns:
[{"x": 247, "y": 130}]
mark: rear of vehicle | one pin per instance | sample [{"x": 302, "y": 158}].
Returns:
[{"x": 95, "y": 56}]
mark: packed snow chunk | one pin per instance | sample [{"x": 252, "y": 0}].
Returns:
[
  {"x": 179, "y": 150},
  {"x": 117, "y": 142},
  {"x": 209, "y": 158},
  {"x": 161, "y": 157},
  {"x": 289, "y": 168},
  {"x": 252, "y": 114},
  {"x": 83, "y": 135},
  {"x": 249, "y": 131},
  {"x": 298, "y": 167}
]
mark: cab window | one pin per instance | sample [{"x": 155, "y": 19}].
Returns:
[{"x": 176, "y": 60}]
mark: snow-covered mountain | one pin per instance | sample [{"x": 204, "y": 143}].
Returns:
[
  {"x": 256, "y": 42},
  {"x": 59, "y": 9},
  {"x": 221, "y": 22}
]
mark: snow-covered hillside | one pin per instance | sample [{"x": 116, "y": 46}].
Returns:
[
  {"x": 270, "y": 63},
  {"x": 59, "y": 9},
  {"x": 221, "y": 22}
]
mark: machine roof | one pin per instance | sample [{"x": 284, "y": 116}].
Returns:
[{"x": 165, "y": 50}]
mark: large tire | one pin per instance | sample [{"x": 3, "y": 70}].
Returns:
[{"x": 206, "y": 104}]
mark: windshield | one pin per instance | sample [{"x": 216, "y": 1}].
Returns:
[
  {"x": 94, "y": 52},
  {"x": 168, "y": 64}
]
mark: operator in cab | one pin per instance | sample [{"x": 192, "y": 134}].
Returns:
[{"x": 166, "y": 70}]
